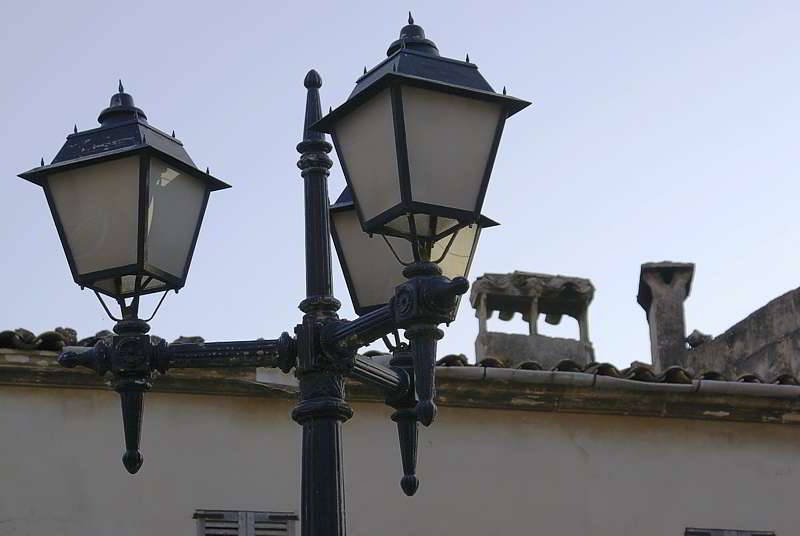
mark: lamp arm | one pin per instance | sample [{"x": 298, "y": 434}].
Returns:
[
  {"x": 280, "y": 353},
  {"x": 97, "y": 357},
  {"x": 132, "y": 357},
  {"x": 342, "y": 338},
  {"x": 394, "y": 382}
]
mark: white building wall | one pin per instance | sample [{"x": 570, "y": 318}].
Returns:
[{"x": 482, "y": 471}]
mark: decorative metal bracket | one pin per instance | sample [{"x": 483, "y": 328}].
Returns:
[
  {"x": 132, "y": 357},
  {"x": 422, "y": 303},
  {"x": 419, "y": 305}
]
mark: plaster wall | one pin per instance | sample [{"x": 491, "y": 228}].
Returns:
[{"x": 482, "y": 471}]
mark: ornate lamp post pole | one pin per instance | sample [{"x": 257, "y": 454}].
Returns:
[{"x": 417, "y": 140}]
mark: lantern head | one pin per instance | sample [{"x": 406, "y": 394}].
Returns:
[
  {"x": 127, "y": 202},
  {"x": 417, "y": 140}
]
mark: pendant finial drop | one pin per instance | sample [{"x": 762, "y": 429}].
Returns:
[
  {"x": 132, "y": 460},
  {"x": 132, "y": 398}
]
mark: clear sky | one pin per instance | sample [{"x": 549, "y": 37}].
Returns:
[{"x": 659, "y": 130}]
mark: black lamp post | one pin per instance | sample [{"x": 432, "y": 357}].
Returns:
[{"x": 416, "y": 139}]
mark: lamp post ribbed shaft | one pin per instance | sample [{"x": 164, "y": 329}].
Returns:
[{"x": 321, "y": 409}]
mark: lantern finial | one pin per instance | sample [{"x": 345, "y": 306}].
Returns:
[
  {"x": 121, "y": 109},
  {"x": 413, "y": 36}
]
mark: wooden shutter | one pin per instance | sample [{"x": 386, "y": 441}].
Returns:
[{"x": 244, "y": 523}]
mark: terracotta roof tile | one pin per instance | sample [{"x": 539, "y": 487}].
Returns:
[
  {"x": 491, "y": 362},
  {"x": 749, "y": 378},
  {"x": 530, "y": 365},
  {"x": 637, "y": 371},
  {"x": 567, "y": 365},
  {"x": 55, "y": 340},
  {"x": 786, "y": 379},
  {"x": 450, "y": 360}
]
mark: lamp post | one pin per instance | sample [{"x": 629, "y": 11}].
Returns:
[{"x": 416, "y": 139}]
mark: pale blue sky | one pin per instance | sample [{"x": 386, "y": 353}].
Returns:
[{"x": 659, "y": 130}]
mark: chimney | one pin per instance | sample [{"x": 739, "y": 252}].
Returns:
[{"x": 663, "y": 287}]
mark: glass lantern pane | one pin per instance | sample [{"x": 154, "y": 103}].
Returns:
[
  {"x": 426, "y": 226},
  {"x": 127, "y": 284},
  {"x": 366, "y": 141},
  {"x": 371, "y": 268},
  {"x": 456, "y": 262},
  {"x": 449, "y": 140},
  {"x": 173, "y": 214},
  {"x": 98, "y": 209},
  {"x": 154, "y": 284}
]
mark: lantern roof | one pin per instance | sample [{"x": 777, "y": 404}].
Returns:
[
  {"x": 344, "y": 201},
  {"x": 414, "y": 60},
  {"x": 123, "y": 130}
]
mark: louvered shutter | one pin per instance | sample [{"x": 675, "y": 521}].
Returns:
[
  {"x": 218, "y": 523},
  {"x": 244, "y": 523},
  {"x": 273, "y": 524}
]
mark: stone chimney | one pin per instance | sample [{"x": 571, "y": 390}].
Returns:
[
  {"x": 531, "y": 295},
  {"x": 663, "y": 287}
]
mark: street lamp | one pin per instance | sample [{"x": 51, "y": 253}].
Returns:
[
  {"x": 127, "y": 202},
  {"x": 417, "y": 141}
]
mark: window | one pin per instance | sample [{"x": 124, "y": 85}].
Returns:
[
  {"x": 242, "y": 523},
  {"x": 724, "y": 532}
]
